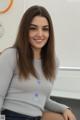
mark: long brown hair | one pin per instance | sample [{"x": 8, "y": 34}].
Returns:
[{"x": 25, "y": 61}]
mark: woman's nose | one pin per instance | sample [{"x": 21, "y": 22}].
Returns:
[{"x": 39, "y": 33}]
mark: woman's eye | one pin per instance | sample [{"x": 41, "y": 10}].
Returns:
[
  {"x": 46, "y": 29},
  {"x": 32, "y": 28}
]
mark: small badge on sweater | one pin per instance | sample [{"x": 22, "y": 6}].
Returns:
[{"x": 2, "y": 117}]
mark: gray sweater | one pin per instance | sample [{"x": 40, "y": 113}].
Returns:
[{"x": 30, "y": 96}]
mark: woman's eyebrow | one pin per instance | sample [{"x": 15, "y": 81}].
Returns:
[{"x": 34, "y": 25}]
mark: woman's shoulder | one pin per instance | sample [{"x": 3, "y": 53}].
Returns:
[
  {"x": 9, "y": 50},
  {"x": 8, "y": 54},
  {"x": 8, "y": 60}
]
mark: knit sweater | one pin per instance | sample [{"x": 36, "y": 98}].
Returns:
[{"x": 28, "y": 97}]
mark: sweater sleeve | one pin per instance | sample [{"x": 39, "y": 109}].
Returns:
[
  {"x": 54, "y": 106},
  {"x": 7, "y": 65}
]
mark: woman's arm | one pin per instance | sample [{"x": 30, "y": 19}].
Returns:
[
  {"x": 54, "y": 106},
  {"x": 7, "y": 65}
]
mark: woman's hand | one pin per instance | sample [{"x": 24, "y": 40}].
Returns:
[{"x": 68, "y": 115}]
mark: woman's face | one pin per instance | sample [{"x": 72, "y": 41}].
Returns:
[{"x": 38, "y": 32}]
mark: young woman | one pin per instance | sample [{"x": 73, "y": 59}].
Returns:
[{"x": 28, "y": 69}]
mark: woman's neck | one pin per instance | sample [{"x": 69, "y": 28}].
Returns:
[{"x": 37, "y": 54}]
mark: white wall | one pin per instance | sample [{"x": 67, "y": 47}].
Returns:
[{"x": 10, "y": 21}]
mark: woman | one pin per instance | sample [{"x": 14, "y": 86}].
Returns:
[{"x": 27, "y": 71}]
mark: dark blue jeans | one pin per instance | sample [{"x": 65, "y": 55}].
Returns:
[{"x": 10, "y": 115}]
